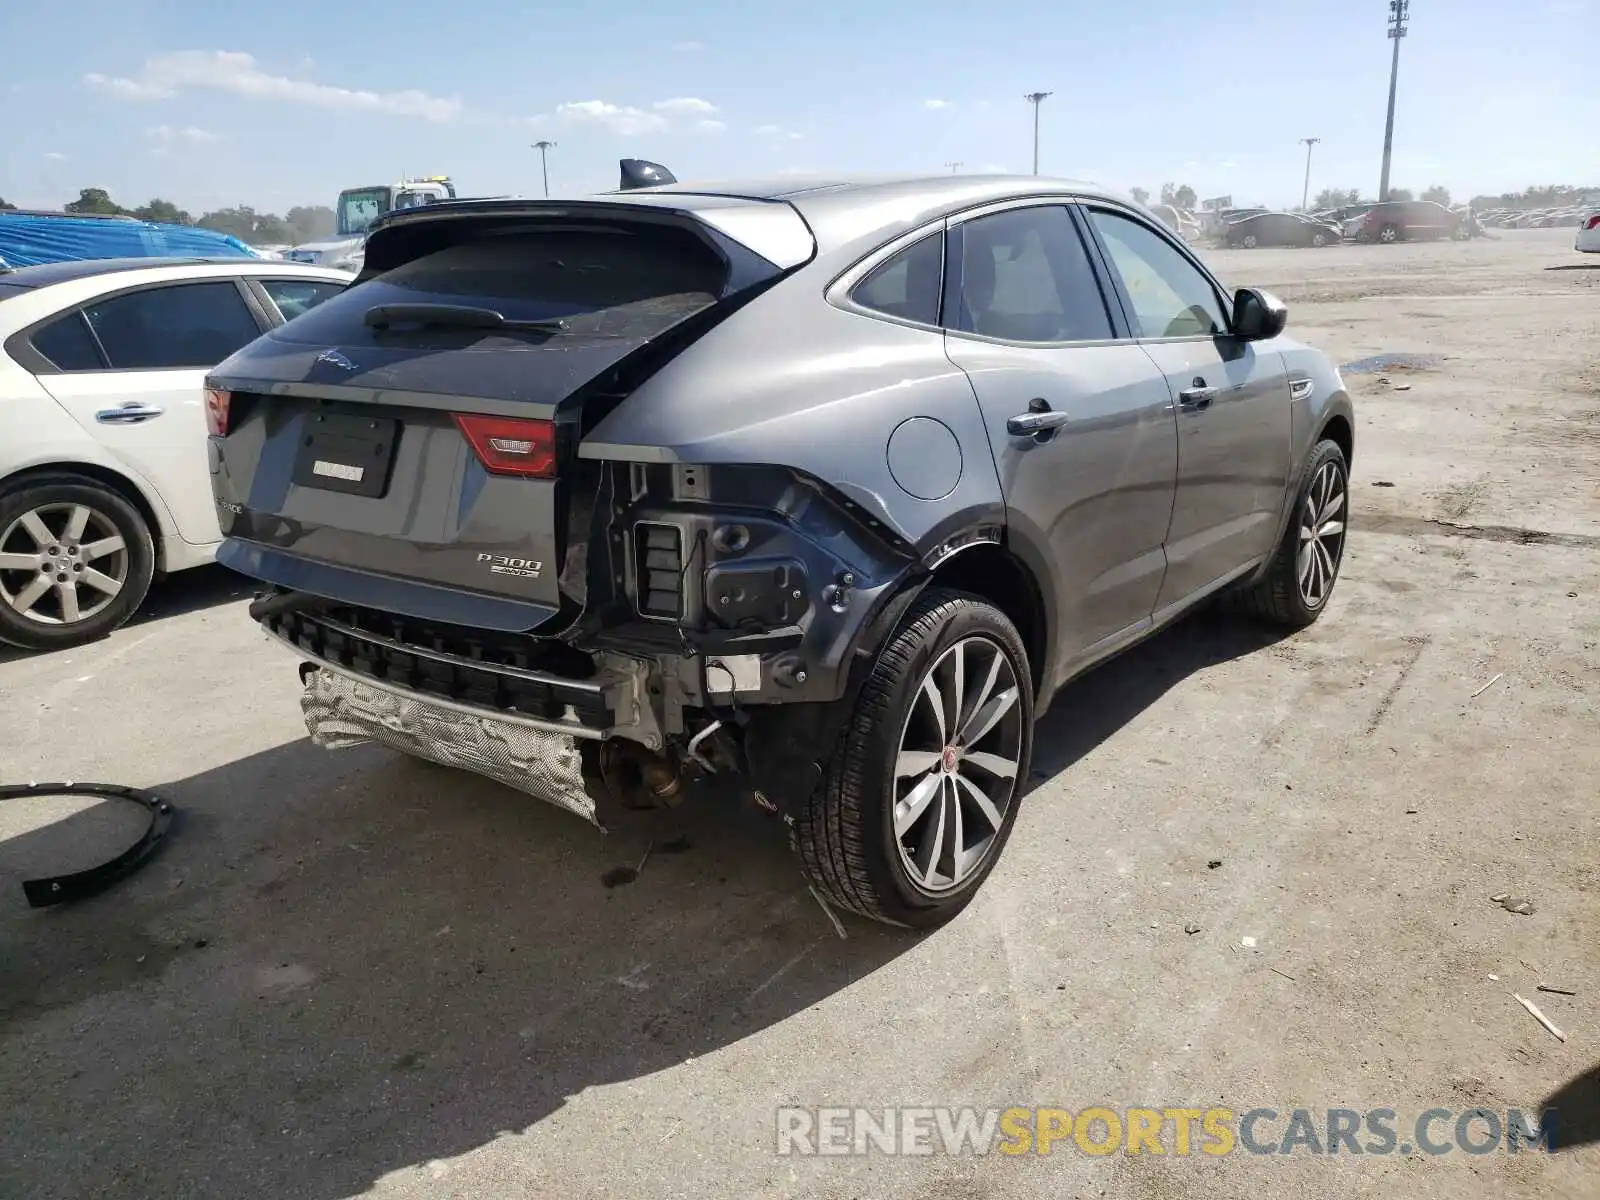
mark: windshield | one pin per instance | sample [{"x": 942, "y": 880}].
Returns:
[
  {"x": 359, "y": 207},
  {"x": 413, "y": 199}
]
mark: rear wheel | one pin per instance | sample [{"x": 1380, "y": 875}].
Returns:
[
  {"x": 1300, "y": 578},
  {"x": 1249, "y": 241},
  {"x": 1319, "y": 239},
  {"x": 76, "y": 560},
  {"x": 922, "y": 791},
  {"x": 1389, "y": 234}
]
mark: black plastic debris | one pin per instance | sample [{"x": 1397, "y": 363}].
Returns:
[{"x": 59, "y": 889}]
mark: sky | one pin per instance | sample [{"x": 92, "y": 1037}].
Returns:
[{"x": 210, "y": 103}]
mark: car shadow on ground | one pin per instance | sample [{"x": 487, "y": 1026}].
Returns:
[
  {"x": 344, "y": 964},
  {"x": 1576, "y": 1120},
  {"x": 1095, "y": 706}
]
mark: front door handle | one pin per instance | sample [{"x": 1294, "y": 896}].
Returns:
[
  {"x": 1027, "y": 424},
  {"x": 1197, "y": 397},
  {"x": 128, "y": 414}
]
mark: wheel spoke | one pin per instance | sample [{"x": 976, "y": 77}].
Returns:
[
  {"x": 1330, "y": 508},
  {"x": 908, "y": 810},
  {"x": 30, "y": 595},
  {"x": 38, "y": 530},
  {"x": 76, "y": 523},
  {"x": 912, "y": 763},
  {"x": 1308, "y": 564},
  {"x": 994, "y": 764},
  {"x": 67, "y": 593},
  {"x": 105, "y": 546},
  {"x": 1326, "y": 559},
  {"x": 987, "y": 717},
  {"x": 931, "y": 848},
  {"x": 958, "y": 839},
  {"x": 959, "y": 688},
  {"x": 100, "y": 581},
  {"x": 19, "y": 562},
  {"x": 983, "y": 697},
  {"x": 985, "y": 805},
  {"x": 930, "y": 692},
  {"x": 1331, "y": 529}
]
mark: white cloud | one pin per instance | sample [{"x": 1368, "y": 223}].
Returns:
[
  {"x": 711, "y": 126},
  {"x": 795, "y": 137},
  {"x": 796, "y": 172},
  {"x": 166, "y": 135},
  {"x": 935, "y": 104},
  {"x": 56, "y": 156},
  {"x": 683, "y": 106},
  {"x": 618, "y": 118},
  {"x": 768, "y": 130},
  {"x": 166, "y": 75},
  {"x": 993, "y": 169},
  {"x": 687, "y": 47}
]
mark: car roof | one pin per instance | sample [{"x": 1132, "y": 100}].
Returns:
[{"x": 48, "y": 274}]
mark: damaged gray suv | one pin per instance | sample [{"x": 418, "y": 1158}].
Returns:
[{"x": 822, "y": 489}]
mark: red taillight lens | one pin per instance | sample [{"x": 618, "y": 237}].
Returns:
[
  {"x": 217, "y": 402},
  {"x": 1593, "y": 222},
  {"x": 511, "y": 445}
]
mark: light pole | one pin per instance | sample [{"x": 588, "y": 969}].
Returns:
[
  {"x": 954, "y": 166},
  {"x": 1036, "y": 99},
  {"x": 544, "y": 147},
  {"x": 1399, "y": 10},
  {"x": 1305, "y": 191}
]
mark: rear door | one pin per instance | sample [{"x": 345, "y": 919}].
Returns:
[
  {"x": 134, "y": 381},
  {"x": 1090, "y": 493},
  {"x": 1232, "y": 400}
]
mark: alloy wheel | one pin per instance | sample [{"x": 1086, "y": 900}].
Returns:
[
  {"x": 62, "y": 563},
  {"x": 1322, "y": 529},
  {"x": 1250, "y": 241},
  {"x": 956, "y": 771}
]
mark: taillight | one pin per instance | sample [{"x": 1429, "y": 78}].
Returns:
[
  {"x": 217, "y": 402},
  {"x": 511, "y": 445},
  {"x": 1593, "y": 222}
]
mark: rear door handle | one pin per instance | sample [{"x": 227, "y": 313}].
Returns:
[
  {"x": 1197, "y": 397},
  {"x": 128, "y": 414},
  {"x": 1026, "y": 424}
]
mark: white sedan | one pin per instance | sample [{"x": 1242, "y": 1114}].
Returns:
[
  {"x": 1589, "y": 234},
  {"x": 104, "y": 478}
]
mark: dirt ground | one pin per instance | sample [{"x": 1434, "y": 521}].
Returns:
[{"x": 351, "y": 974}]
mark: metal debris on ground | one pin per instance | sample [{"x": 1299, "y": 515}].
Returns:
[
  {"x": 1539, "y": 1016},
  {"x": 1488, "y": 685},
  {"x": 1513, "y": 904},
  {"x": 1289, "y": 977},
  {"x": 646, "y": 857},
  {"x": 1559, "y": 991},
  {"x": 838, "y": 925},
  {"x": 1213, "y": 864},
  {"x": 1191, "y": 927},
  {"x": 1382, "y": 483}
]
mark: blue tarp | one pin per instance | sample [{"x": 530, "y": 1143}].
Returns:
[{"x": 27, "y": 240}]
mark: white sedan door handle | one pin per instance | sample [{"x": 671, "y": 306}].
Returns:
[{"x": 128, "y": 414}]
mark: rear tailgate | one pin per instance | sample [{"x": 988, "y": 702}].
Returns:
[{"x": 435, "y": 454}]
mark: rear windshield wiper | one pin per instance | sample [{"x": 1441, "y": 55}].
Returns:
[{"x": 454, "y": 316}]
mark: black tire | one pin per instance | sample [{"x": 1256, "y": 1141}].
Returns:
[
  {"x": 135, "y": 568},
  {"x": 1319, "y": 240},
  {"x": 1277, "y": 597},
  {"x": 1389, "y": 234},
  {"x": 844, "y": 834}
]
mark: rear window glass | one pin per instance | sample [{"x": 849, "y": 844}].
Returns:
[
  {"x": 602, "y": 283},
  {"x": 67, "y": 343},
  {"x": 907, "y": 285}
]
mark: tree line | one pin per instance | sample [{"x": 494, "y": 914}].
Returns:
[{"x": 303, "y": 223}]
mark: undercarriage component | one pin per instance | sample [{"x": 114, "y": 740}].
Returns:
[
  {"x": 342, "y": 710},
  {"x": 638, "y": 778},
  {"x": 59, "y": 889}
]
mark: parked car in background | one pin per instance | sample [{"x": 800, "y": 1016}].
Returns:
[
  {"x": 103, "y": 475},
  {"x": 1406, "y": 220},
  {"x": 1280, "y": 229},
  {"x": 596, "y": 497},
  {"x": 1588, "y": 239}
]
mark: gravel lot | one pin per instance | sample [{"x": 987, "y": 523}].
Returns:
[{"x": 348, "y": 973}]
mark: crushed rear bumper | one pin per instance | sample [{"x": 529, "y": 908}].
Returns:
[{"x": 344, "y": 710}]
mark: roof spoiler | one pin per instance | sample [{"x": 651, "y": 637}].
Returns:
[{"x": 641, "y": 173}]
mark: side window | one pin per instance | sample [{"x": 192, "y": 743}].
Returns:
[
  {"x": 1025, "y": 277},
  {"x": 295, "y": 296},
  {"x": 907, "y": 285},
  {"x": 68, "y": 344},
  {"x": 1170, "y": 297},
  {"x": 184, "y": 325}
]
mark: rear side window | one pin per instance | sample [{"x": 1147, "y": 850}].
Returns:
[
  {"x": 296, "y": 296},
  {"x": 67, "y": 343},
  {"x": 1025, "y": 277},
  {"x": 183, "y": 325},
  {"x": 603, "y": 282},
  {"x": 908, "y": 284}
]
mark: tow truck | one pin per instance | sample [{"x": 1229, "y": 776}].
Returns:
[{"x": 356, "y": 209}]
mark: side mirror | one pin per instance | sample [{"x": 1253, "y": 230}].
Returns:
[{"x": 1258, "y": 315}]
